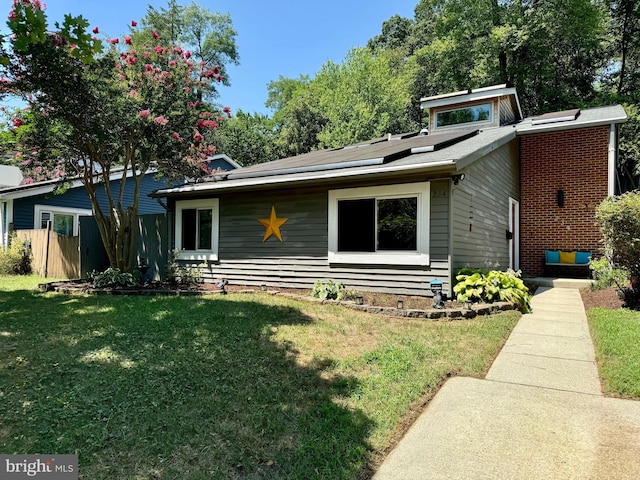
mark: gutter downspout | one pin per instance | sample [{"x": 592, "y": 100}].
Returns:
[{"x": 613, "y": 154}]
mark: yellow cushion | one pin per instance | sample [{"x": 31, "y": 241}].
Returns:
[{"x": 567, "y": 257}]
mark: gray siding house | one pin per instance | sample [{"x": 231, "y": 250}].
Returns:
[{"x": 391, "y": 214}]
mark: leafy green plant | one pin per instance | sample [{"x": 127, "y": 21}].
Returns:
[
  {"x": 493, "y": 286},
  {"x": 619, "y": 220},
  {"x": 328, "y": 289},
  {"x": 112, "y": 277},
  {"x": 607, "y": 275},
  {"x": 16, "y": 259},
  {"x": 181, "y": 274}
]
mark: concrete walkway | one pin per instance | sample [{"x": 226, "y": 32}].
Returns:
[{"x": 539, "y": 413}]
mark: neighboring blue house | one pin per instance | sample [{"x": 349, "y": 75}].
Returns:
[{"x": 31, "y": 206}]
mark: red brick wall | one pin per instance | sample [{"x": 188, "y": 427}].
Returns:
[{"x": 574, "y": 161}]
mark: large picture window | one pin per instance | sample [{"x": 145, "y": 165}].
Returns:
[
  {"x": 197, "y": 229},
  {"x": 380, "y": 225}
]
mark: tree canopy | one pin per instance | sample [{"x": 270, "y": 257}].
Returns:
[{"x": 96, "y": 115}]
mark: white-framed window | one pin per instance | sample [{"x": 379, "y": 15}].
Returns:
[
  {"x": 465, "y": 115},
  {"x": 380, "y": 225},
  {"x": 197, "y": 223},
  {"x": 64, "y": 220}
]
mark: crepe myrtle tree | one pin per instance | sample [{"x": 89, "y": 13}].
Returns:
[{"x": 100, "y": 110}]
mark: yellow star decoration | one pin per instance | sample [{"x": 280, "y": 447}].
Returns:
[{"x": 273, "y": 224}]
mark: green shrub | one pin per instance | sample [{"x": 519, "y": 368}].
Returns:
[
  {"x": 331, "y": 290},
  {"x": 493, "y": 286},
  {"x": 112, "y": 277},
  {"x": 607, "y": 275},
  {"x": 619, "y": 220},
  {"x": 180, "y": 274},
  {"x": 16, "y": 259}
]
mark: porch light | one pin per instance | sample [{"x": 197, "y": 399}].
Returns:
[{"x": 457, "y": 178}]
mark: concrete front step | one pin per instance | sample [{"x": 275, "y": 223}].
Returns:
[{"x": 560, "y": 282}]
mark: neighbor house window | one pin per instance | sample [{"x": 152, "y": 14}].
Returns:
[
  {"x": 472, "y": 114},
  {"x": 380, "y": 225},
  {"x": 197, "y": 229},
  {"x": 64, "y": 221}
]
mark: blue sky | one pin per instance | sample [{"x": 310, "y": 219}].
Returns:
[{"x": 277, "y": 37}]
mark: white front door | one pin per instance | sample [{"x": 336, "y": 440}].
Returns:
[{"x": 514, "y": 240}]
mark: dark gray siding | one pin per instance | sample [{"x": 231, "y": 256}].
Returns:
[
  {"x": 23, "y": 208},
  {"x": 481, "y": 209},
  {"x": 301, "y": 258}
]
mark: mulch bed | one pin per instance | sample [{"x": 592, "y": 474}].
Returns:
[
  {"x": 372, "y": 302},
  {"x": 606, "y": 298}
]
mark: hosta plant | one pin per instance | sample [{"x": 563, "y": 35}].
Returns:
[{"x": 493, "y": 286}]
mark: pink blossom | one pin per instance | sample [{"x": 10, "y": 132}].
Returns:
[
  {"x": 121, "y": 76},
  {"x": 18, "y": 155},
  {"x": 158, "y": 49},
  {"x": 155, "y": 34},
  {"x": 148, "y": 67},
  {"x": 128, "y": 40},
  {"x": 190, "y": 64},
  {"x": 134, "y": 23},
  {"x": 147, "y": 54},
  {"x": 113, "y": 41},
  {"x": 161, "y": 120},
  {"x": 187, "y": 54},
  {"x": 226, "y": 109},
  {"x": 187, "y": 89},
  {"x": 133, "y": 93},
  {"x": 96, "y": 30},
  {"x": 172, "y": 63},
  {"x": 13, "y": 15},
  {"x": 17, "y": 122},
  {"x": 198, "y": 137},
  {"x": 177, "y": 136},
  {"x": 27, "y": 181},
  {"x": 144, "y": 113},
  {"x": 178, "y": 50}
]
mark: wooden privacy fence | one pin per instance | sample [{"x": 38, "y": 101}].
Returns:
[
  {"x": 60, "y": 256},
  {"x": 53, "y": 255}
]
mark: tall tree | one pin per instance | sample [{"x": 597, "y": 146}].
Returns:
[
  {"x": 209, "y": 37},
  {"x": 107, "y": 115},
  {"x": 248, "y": 138}
]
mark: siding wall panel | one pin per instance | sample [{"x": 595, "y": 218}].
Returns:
[
  {"x": 481, "y": 209},
  {"x": 302, "y": 257}
]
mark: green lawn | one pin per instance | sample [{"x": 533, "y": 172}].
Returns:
[
  {"x": 243, "y": 386},
  {"x": 616, "y": 336}
]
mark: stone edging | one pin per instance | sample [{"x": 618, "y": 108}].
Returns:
[{"x": 431, "y": 314}]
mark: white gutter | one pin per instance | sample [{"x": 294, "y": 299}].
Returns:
[
  {"x": 275, "y": 180},
  {"x": 613, "y": 153}
]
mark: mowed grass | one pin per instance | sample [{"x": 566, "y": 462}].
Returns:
[
  {"x": 616, "y": 337},
  {"x": 243, "y": 386}
]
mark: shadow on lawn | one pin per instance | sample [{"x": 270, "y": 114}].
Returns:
[{"x": 187, "y": 388}]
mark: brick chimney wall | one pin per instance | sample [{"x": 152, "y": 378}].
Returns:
[{"x": 574, "y": 161}]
